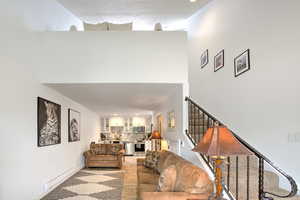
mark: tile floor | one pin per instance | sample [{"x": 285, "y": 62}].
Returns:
[{"x": 100, "y": 184}]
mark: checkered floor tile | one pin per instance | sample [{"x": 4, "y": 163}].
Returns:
[{"x": 90, "y": 184}]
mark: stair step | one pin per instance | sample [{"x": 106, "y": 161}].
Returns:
[
  {"x": 242, "y": 161},
  {"x": 278, "y": 191},
  {"x": 283, "y": 192},
  {"x": 271, "y": 181}
]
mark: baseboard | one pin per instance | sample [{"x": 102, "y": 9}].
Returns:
[{"x": 53, "y": 183}]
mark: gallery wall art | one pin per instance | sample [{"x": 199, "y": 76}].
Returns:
[
  {"x": 242, "y": 63},
  {"x": 74, "y": 125},
  {"x": 219, "y": 61},
  {"x": 49, "y": 122},
  {"x": 204, "y": 59},
  {"x": 171, "y": 119}
]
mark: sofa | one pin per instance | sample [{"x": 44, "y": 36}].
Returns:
[
  {"x": 167, "y": 176},
  {"x": 104, "y": 155}
]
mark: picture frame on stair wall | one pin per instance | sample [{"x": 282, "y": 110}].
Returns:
[
  {"x": 219, "y": 61},
  {"x": 242, "y": 63},
  {"x": 204, "y": 58}
]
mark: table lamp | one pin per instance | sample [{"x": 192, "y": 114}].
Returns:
[
  {"x": 155, "y": 141},
  {"x": 155, "y": 135},
  {"x": 218, "y": 142}
]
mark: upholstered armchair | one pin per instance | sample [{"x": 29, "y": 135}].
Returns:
[{"x": 104, "y": 155}]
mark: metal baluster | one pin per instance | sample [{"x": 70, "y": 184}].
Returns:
[
  {"x": 203, "y": 130},
  {"x": 237, "y": 178},
  {"x": 261, "y": 179},
  {"x": 208, "y": 118},
  {"x": 193, "y": 122},
  {"x": 196, "y": 118},
  {"x": 189, "y": 119},
  {"x": 228, "y": 173},
  {"x": 248, "y": 176},
  {"x": 197, "y": 124}
]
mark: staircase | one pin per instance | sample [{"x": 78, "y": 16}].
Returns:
[{"x": 245, "y": 177}]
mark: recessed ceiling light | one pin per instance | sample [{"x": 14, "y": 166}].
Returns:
[{"x": 193, "y": 1}]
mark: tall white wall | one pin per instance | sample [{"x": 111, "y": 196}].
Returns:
[
  {"x": 79, "y": 57},
  {"x": 25, "y": 169},
  {"x": 262, "y": 105},
  {"x": 36, "y": 15}
]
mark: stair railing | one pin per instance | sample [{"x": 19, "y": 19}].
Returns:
[{"x": 199, "y": 120}]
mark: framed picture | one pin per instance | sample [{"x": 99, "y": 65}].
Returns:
[
  {"x": 74, "y": 125},
  {"x": 242, "y": 63},
  {"x": 48, "y": 122},
  {"x": 219, "y": 61},
  {"x": 171, "y": 119},
  {"x": 204, "y": 59}
]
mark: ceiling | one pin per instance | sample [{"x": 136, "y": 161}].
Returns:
[
  {"x": 172, "y": 14},
  {"x": 120, "y": 99}
]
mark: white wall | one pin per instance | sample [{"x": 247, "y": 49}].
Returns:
[
  {"x": 80, "y": 57},
  {"x": 26, "y": 168},
  {"x": 178, "y": 142},
  {"x": 172, "y": 104},
  {"x": 262, "y": 105},
  {"x": 36, "y": 15}
]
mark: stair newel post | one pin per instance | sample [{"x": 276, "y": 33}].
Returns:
[{"x": 261, "y": 179}]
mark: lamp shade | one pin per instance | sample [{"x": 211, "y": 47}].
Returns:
[
  {"x": 155, "y": 135},
  {"x": 219, "y": 141}
]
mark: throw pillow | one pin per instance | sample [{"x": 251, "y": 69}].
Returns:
[
  {"x": 113, "y": 149},
  {"x": 120, "y": 27},
  {"x": 151, "y": 160},
  {"x": 167, "y": 179},
  {"x": 98, "y": 149},
  {"x": 155, "y": 158},
  {"x": 95, "y": 27},
  {"x": 148, "y": 160}
]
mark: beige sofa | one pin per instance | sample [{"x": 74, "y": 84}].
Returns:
[
  {"x": 191, "y": 182},
  {"x": 104, "y": 155}
]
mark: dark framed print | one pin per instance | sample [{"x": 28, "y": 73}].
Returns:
[
  {"x": 74, "y": 125},
  {"x": 219, "y": 61},
  {"x": 48, "y": 122},
  {"x": 204, "y": 58},
  {"x": 242, "y": 63}
]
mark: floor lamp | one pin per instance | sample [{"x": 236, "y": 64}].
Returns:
[{"x": 218, "y": 142}]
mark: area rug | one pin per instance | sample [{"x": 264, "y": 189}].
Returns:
[{"x": 90, "y": 184}]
